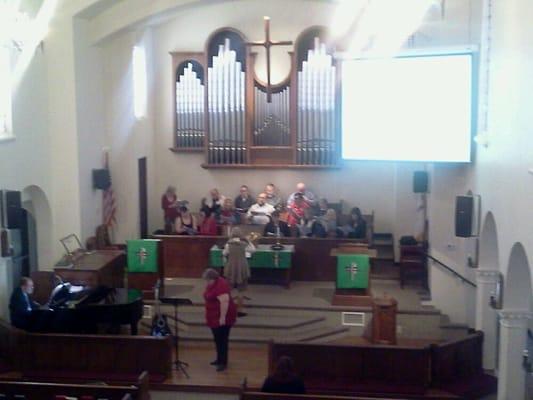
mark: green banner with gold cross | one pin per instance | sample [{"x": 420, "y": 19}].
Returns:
[
  {"x": 142, "y": 255},
  {"x": 352, "y": 271}
]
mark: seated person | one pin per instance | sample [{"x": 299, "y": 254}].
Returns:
[
  {"x": 307, "y": 196},
  {"x": 215, "y": 202},
  {"x": 21, "y": 305},
  {"x": 276, "y": 227},
  {"x": 297, "y": 209},
  {"x": 284, "y": 379},
  {"x": 357, "y": 225},
  {"x": 186, "y": 222},
  {"x": 260, "y": 212},
  {"x": 227, "y": 213},
  {"x": 207, "y": 224},
  {"x": 323, "y": 207},
  {"x": 243, "y": 201},
  {"x": 329, "y": 221},
  {"x": 272, "y": 197}
]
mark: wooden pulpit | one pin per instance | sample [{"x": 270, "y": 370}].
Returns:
[{"x": 384, "y": 320}]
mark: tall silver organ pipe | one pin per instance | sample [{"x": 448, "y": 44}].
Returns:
[
  {"x": 316, "y": 108},
  {"x": 189, "y": 109},
  {"x": 226, "y": 105},
  {"x": 272, "y": 120}
]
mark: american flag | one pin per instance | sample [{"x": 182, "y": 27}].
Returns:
[{"x": 109, "y": 208}]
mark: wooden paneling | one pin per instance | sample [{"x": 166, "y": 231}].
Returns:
[{"x": 188, "y": 256}]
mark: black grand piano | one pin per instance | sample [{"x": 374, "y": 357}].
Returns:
[{"x": 72, "y": 309}]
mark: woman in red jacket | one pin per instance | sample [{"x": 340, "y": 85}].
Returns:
[{"x": 220, "y": 314}]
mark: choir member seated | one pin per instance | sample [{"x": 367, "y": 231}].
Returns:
[
  {"x": 207, "y": 225},
  {"x": 215, "y": 202},
  {"x": 227, "y": 213},
  {"x": 244, "y": 200},
  {"x": 323, "y": 207},
  {"x": 186, "y": 223},
  {"x": 259, "y": 213},
  {"x": 310, "y": 226},
  {"x": 276, "y": 227},
  {"x": 284, "y": 379},
  {"x": 21, "y": 305},
  {"x": 306, "y": 194},
  {"x": 329, "y": 221},
  {"x": 357, "y": 225},
  {"x": 272, "y": 197},
  {"x": 170, "y": 204},
  {"x": 297, "y": 209}
]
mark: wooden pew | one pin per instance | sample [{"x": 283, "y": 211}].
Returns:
[
  {"x": 358, "y": 370},
  {"x": 279, "y": 396},
  {"x": 48, "y": 391},
  {"x": 457, "y": 367},
  {"x": 108, "y": 358},
  {"x": 188, "y": 256}
]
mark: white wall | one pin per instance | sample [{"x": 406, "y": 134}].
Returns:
[{"x": 500, "y": 173}]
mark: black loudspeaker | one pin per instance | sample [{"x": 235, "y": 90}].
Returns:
[
  {"x": 420, "y": 182},
  {"x": 101, "y": 179},
  {"x": 464, "y": 212},
  {"x": 14, "y": 212}
]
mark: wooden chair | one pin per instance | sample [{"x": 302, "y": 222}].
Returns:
[{"x": 413, "y": 262}]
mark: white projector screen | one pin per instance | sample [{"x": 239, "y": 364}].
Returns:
[{"x": 407, "y": 108}]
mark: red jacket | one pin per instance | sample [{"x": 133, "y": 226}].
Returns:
[
  {"x": 212, "y": 305},
  {"x": 171, "y": 213},
  {"x": 209, "y": 227}
]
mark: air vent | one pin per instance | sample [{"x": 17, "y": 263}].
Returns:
[{"x": 353, "y": 319}]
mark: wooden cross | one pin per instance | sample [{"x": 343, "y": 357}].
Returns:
[{"x": 267, "y": 44}]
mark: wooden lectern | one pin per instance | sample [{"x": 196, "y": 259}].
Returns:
[{"x": 384, "y": 320}]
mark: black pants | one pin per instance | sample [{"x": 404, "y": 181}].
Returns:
[{"x": 221, "y": 336}]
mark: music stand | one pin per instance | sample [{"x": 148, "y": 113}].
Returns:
[{"x": 175, "y": 302}]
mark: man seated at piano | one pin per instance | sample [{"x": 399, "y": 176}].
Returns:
[
  {"x": 21, "y": 305},
  {"x": 276, "y": 228},
  {"x": 259, "y": 213}
]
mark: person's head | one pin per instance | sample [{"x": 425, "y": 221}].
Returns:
[
  {"x": 323, "y": 204},
  {"x": 270, "y": 189},
  {"x": 184, "y": 210},
  {"x": 26, "y": 284},
  {"x": 228, "y": 204},
  {"x": 205, "y": 213},
  {"x": 284, "y": 367},
  {"x": 356, "y": 214},
  {"x": 275, "y": 217},
  {"x": 214, "y": 194},
  {"x": 171, "y": 191},
  {"x": 300, "y": 187},
  {"x": 243, "y": 191},
  {"x": 236, "y": 233},
  {"x": 210, "y": 275},
  {"x": 331, "y": 214},
  {"x": 261, "y": 199}
]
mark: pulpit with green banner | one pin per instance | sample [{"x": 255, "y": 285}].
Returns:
[
  {"x": 263, "y": 260},
  {"x": 143, "y": 264},
  {"x": 352, "y": 285}
]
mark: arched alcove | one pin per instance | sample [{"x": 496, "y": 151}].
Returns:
[
  {"x": 517, "y": 293},
  {"x": 36, "y": 203},
  {"x": 488, "y": 244}
]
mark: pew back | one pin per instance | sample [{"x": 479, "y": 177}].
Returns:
[
  {"x": 358, "y": 369},
  {"x": 280, "y": 396},
  {"x": 113, "y": 358},
  {"x": 48, "y": 391}
]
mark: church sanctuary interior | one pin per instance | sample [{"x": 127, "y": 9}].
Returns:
[{"x": 266, "y": 199}]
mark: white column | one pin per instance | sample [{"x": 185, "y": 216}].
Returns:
[
  {"x": 513, "y": 334},
  {"x": 486, "y": 318}
]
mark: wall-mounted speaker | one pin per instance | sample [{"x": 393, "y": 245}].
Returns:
[
  {"x": 14, "y": 218},
  {"x": 420, "y": 182},
  {"x": 464, "y": 213},
  {"x": 101, "y": 179}
]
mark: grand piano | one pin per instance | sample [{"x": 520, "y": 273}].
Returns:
[{"x": 83, "y": 310}]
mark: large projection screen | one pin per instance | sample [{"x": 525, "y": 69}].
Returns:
[{"x": 408, "y": 108}]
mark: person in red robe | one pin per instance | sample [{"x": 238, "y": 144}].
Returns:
[
  {"x": 207, "y": 224},
  {"x": 169, "y": 204}
]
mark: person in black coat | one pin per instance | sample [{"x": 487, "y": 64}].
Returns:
[
  {"x": 21, "y": 305},
  {"x": 358, "y": 224},
  {"x": 284, "y": 380},
  {"x": 275, "y": 227}
]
